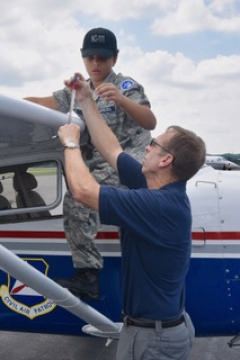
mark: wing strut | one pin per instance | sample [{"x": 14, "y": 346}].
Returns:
[{"x": 100, "y": 325}]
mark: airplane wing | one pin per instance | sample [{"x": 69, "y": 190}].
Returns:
[{"x": 30, "y": 128}]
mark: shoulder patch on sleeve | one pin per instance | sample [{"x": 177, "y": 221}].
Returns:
[{"x": 127, "y": 84}]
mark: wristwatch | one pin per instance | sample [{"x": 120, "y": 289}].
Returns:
[{"x": 71, "y": 145}]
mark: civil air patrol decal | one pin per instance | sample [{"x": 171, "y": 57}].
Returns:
[
  {"x": 23, "y": 300},
  {"x": 127, "y": 84}
]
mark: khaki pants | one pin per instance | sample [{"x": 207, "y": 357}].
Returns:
[{"x": 139, "y": 343}]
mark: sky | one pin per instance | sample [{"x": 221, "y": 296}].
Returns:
[{"x": 186, "y": 54}]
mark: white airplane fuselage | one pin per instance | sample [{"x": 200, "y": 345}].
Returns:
[{"x": 35, "y": 233}]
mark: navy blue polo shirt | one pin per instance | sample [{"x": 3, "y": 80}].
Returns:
[{"x": 155, "y": 240}]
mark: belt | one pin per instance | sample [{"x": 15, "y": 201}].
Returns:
[{"x": 127, "y": 320}]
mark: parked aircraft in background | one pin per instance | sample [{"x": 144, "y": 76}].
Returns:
[
  {"x": 221, "y": 163},
  {"x": 32, "y": 185}
]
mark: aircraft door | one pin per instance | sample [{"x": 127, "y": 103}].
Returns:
[
  {"x": 205, "y": 279},
  {"x": 229, "y": 203},
  {"x": 204, "y": 198}
]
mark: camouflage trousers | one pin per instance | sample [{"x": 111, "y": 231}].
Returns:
[{"x": 81, "y": 225}]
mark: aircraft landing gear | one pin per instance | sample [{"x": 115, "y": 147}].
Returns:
[{"x": 234, "y": 341}]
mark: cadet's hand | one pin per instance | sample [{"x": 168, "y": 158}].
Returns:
[
  {"x": 82, "y": 88},
  {"x": 109, "y": 92},
  {"x": 69, "y": 132}
]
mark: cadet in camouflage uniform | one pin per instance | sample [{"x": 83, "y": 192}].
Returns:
[{"x": 81, "y": 223}]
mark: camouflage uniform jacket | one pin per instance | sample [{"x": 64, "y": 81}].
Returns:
[{"x": 132, "y": 137}]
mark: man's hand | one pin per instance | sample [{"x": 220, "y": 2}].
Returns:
[
  {"x": 84, "y": 188},
  {"x": 82, "y": 88},
  {"x": 98, "y": 129},
  {"x": 109, "y": 92},
  {"x": 69, "y": 132}
]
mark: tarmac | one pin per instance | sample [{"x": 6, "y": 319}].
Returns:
[{"x": 29, "y": 346}]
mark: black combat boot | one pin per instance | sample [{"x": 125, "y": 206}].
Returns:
[{"x": 83, "y": 284}]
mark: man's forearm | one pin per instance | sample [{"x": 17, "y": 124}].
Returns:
[
  {"x": 101, "y": 135},
  {"x": 83, "y": 186}
]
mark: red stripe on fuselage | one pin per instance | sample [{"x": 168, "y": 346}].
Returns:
[
  {"x": 24, "y": 234},
  {"x": 218, "y": 235}
]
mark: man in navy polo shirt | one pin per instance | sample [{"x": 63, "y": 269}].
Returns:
[{"x": 154, "y": 215}]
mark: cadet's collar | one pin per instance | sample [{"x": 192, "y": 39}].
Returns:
[{"x": 110, "y": 78}]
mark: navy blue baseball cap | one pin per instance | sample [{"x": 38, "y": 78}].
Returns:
[{"x": 99, "y": 41}]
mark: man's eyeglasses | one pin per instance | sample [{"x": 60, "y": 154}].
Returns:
[{"x": 153, "y": 142}]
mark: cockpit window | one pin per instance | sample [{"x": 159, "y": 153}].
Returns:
[{"x": 30, "y": 191}]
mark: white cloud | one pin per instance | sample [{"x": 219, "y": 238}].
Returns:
[
  {"x": 121, "y": 10},
  {"x": 201, "y": 96},
  {"x": 223, "y": 6},
  {"x": 34, "y": 46},
  {"x": 40, "y": 43},
  {"x": 193, "y": 16}
]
